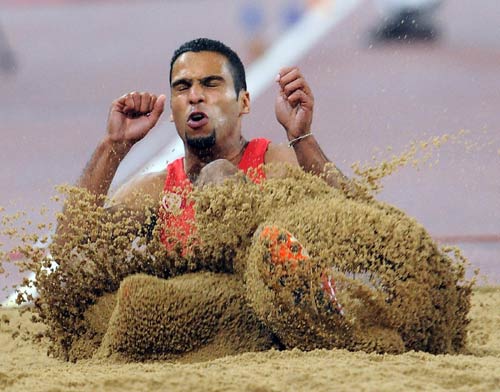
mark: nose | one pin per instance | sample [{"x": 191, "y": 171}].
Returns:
[{"x": 196, "y": 94}]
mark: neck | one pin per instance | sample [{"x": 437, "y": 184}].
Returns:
[{"x": 195, "y": 160}]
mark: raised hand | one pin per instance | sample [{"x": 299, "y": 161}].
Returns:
[
  {"x": 132, "y": 116},
  {"x": 294, "y": 103}
]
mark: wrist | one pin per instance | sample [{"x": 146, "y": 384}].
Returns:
[
  {"x": 116, "y": 148},
  {"x": 296, "y": 132},
  {"x": 292, "y": 142}
]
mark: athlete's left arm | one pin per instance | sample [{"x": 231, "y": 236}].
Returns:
[{"x": 294, "y": 111}]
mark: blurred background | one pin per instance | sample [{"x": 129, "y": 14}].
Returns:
[{"x": 384, "y": 74}]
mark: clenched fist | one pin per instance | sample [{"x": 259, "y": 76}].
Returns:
[{"x": 132, "y": 116}]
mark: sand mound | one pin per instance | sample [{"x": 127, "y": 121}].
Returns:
[{"x": 218, "y": 294}]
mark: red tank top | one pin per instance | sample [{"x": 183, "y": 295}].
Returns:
[{"x": 177, "y": 212}]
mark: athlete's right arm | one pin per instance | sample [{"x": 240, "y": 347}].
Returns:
[{"x": 130, "y": 119}]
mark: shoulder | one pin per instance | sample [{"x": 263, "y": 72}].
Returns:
[
  {"x": 279, "y": 153},
  {"x": 149, "y": 186},
  {"x": 276, "y": 154}
]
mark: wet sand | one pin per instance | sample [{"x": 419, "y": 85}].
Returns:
[{"x": 25, "y": 365}]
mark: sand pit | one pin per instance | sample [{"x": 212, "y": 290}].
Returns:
[{"x": 25, "y": 366}]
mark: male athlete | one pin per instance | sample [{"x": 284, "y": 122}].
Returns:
[
  {"x": 208, "y": 99},
  {"x": 283, "y": 299},
  {"x": 425, "y": 309}
]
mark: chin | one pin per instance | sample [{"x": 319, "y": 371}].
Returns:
[{"x": 201, "y": 142}]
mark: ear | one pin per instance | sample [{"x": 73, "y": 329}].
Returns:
[{"x": 244, "y": 99}]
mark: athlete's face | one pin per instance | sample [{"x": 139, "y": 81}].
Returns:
[{"x": 204, "y": 105}]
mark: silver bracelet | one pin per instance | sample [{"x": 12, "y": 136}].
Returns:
[{"x": 293, "y": 142}]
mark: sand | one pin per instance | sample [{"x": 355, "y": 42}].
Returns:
[
  {"x": 397, "y": 290},
  {"x": 218, "y": 311},
  {"x": 25, "y": 366}
]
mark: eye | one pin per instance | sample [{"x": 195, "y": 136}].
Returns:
[
  {"x": 181, "y": 85},
  {"x": 212, "y": 82}
]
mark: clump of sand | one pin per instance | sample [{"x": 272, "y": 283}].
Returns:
[{"x": 199, "y": 315}]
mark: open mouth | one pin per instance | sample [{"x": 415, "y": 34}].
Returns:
[{"x": 197, "y": 120}]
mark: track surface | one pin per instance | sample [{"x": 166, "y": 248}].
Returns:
[{"x": 76, "y": 57}]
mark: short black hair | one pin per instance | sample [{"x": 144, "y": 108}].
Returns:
[{"x": 209, "y": 45}]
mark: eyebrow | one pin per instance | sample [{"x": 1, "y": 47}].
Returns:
[
  {"x": 212, "y": 77},
  {"x": 180, "y": 81},
  {"x": 202, "y": 80}
]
